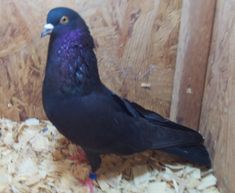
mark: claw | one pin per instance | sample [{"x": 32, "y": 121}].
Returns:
[{"x": 89, "y": 183}]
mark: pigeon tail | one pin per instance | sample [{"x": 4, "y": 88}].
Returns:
[{"x": 196, "y": 154}]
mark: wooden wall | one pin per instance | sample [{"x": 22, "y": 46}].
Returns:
[
  {"x": 136, "y": 43},
  {"x": 207, "y": 43},
  {"x": 192, "y": 58},
  {"x": 218, "y": 112},
  {"x": 204, "y": 83}
]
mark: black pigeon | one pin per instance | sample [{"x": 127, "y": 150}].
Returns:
[{"x": 89, "y": 114}]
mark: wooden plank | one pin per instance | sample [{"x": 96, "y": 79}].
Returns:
[
  {"x": 136, "y": 43},
  {"x": 192, "y": 57},
  {"x": 218, "y": 111}
]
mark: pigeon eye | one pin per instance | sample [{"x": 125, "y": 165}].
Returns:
[{"x": 64, "y": 20}]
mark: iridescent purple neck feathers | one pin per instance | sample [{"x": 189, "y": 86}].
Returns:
[
  {"x": 66, "y": 46},
  {"x": 71, "y": 62}
]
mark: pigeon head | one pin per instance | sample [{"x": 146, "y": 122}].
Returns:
[
  {"x": 61, "y": 20},
  {"x": 71, "y": 61}
]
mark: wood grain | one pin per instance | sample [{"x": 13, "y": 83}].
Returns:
[
  {"x": 192, "y": 58},
  {"x": 218, "y": 112},
  {"x": 135, "y": 43}
]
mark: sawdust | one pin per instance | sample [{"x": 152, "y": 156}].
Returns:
[{"x": 34, "y": 158}]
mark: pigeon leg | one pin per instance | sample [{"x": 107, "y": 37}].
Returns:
[{"x": 94, "y": 160}]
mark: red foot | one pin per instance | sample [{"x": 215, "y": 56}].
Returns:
[
  {"x": 89, "y": 183},
  {"x": 79, "y": 156}
]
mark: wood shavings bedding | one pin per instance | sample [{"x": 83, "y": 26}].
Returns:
[{"x": 34, "y": 158}]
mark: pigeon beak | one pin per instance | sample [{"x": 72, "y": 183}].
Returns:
[{"x": 48, "y": 28}]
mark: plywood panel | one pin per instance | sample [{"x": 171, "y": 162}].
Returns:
[
  {"x": 192, "y": 58},
  {"x": 136, "y": 43},
  {"x": 218, "y": 112}
]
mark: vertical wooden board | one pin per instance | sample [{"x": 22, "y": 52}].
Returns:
[
  {"x": 192, "y": 58},
  {"x": 135, "y": 43},
  {"x": 218, "y": 112}
]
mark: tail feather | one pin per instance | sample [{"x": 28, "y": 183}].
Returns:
[
  {"x": 174, "y": 138},
  {"x": 196, "y": 154}
]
